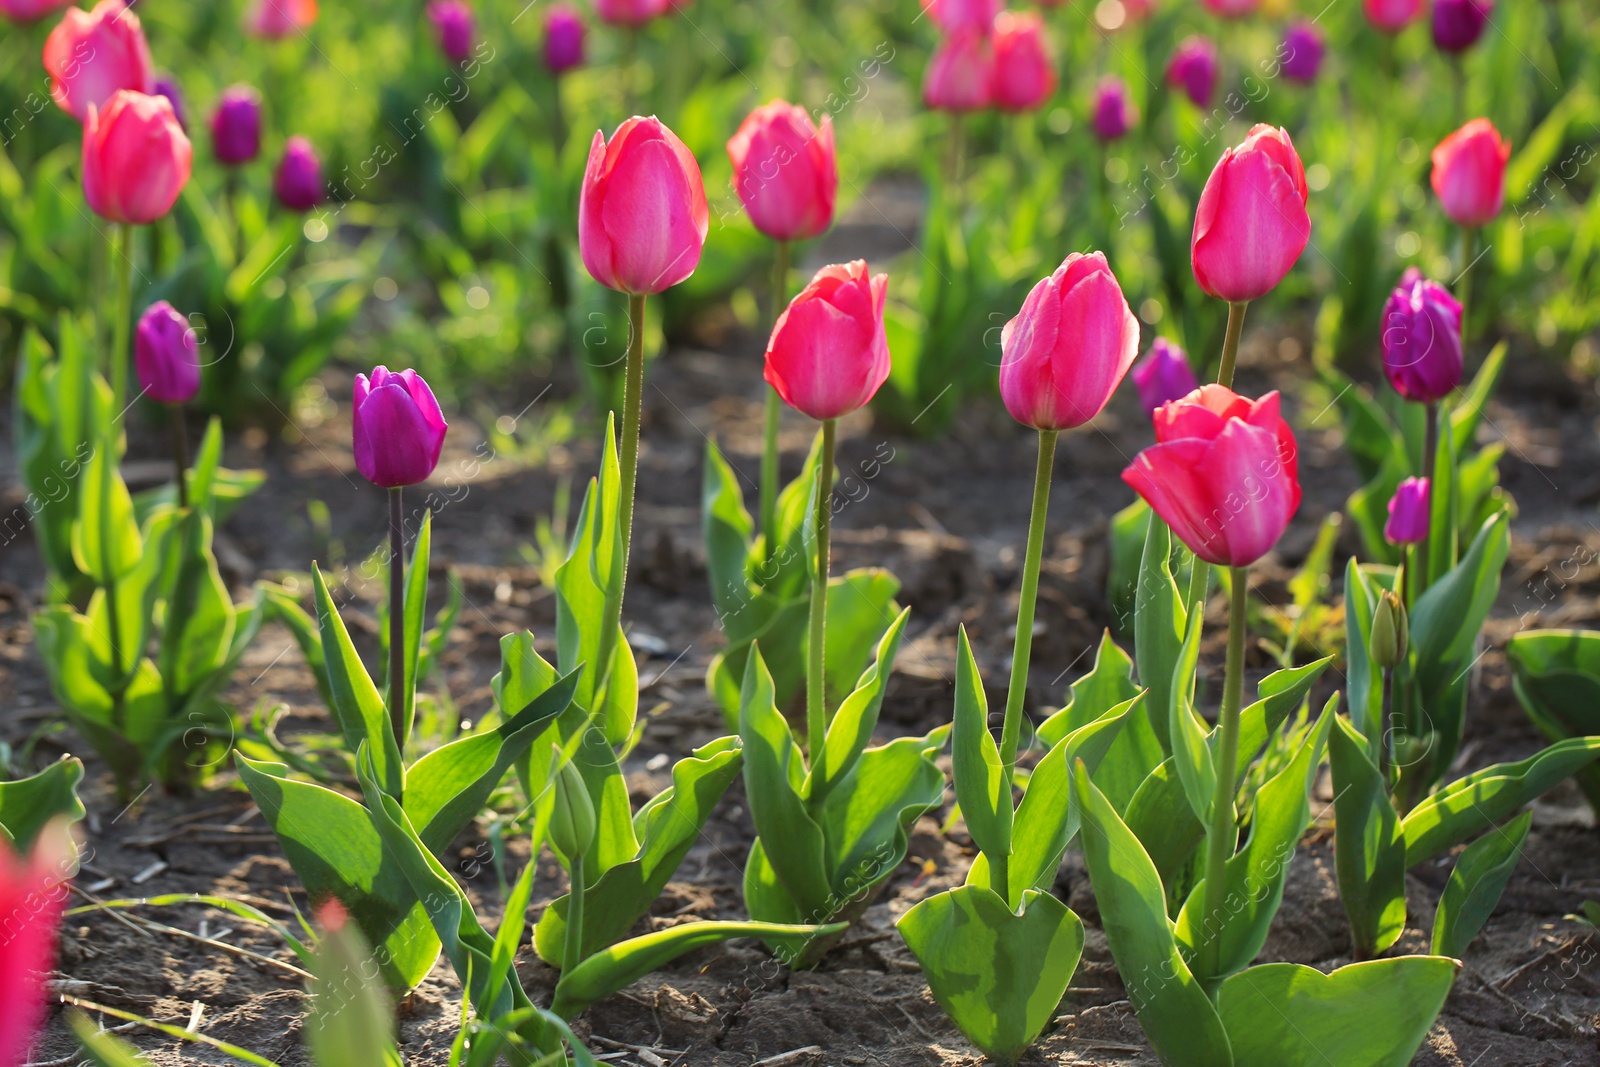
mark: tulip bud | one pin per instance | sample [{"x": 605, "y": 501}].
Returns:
[
  {"x": 563, "y": 38},
  {"x": 1024, "y": 73},
  {"x": 954, "y": 16},
  {"x": 1163, "y": 376},
  {"x": 642, "y": 215},
  {"x": 1422, "y": 339},
  {"x": 1251, "y": 223},
  {"x": 136, "y": 158},
  {"x": 30, "y": 10},
  {"x": 572, "y": 822},
  {"x": 1114, "y": 114},
  {"x": 32, "y": 895},
  {"x": 274, "y": 19},
  {"x": 1457, "y": 24},
  {"x": 1303, "y": 49},
  {"x": 1194, "y": 67},
  {"x": 829, "y": 354},
  {"x": 1386, "y": 646},
  {"x": 961, "y": 73},
  {"x": 1469, "y": 173},
  {"x": 298, "y": 183},
  {"x": 351, "y": 1017},
  {"x": 92, "y": 54},
  {"x": 1392, "y": 16},
  {"x": 168, "y": 87},
  {"x": 397, "y": 428},
  {"x": 454, "y": 28},
  {"x": 166, "y": 355},
  {"x": 236, "y": 126},
  {"x": 630, "y": 12},
  {"x": 1069, "y": 347},
  {"x": 1409, "y": 513},
  {"x": 785, "y": 171}
]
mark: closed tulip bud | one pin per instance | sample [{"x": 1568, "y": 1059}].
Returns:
[
  {"x": 1232, "y": 9},
  {"x": 961, "y": 73},
  {"x": 630, "y": 12},
  {"x": 1194, "y": 68},
  {"x": 1024, "y": 73},
  {"x": 136, "y": 158},
  {"x": 236, "y": 126},
  {"x": 1457, "y": 24},
  {"x": 1422, "y": 339},
  {"x": 298, "y": 182},
  {"x": 1223, "y": 474},
  {"x": 1303, "y": 49},
  {"x": 1069, "y": 347},
  {"x": 351, "y": 1017},
  {"x": 1387, "y": 644},
  {"x": 454, "y": 27},
  {"x": 1251, "y": 223},
  {"x": 32, "y": 895},
  {"x": 1409, "y": 513},
  {"x": 572, "y": 821},
  {"x": 642, "y": 216},
  {"x": 30, "y": 10},
  {"x": 397, "y": 429},
  {"x": 829, "y": 353},
  {"x": 563, "y": 38},
  {"x": 1163, "y": 376},
  {"x": 168, "y": 87},
  {"x": 166, "y": 355},
  {"x": 785, "y": 171},
  {"x": 274, "y": 19},
  {"x": 92, "y": 54},
  {"x": 953, "y": 16},
  {"x": 1392, "y": 16},
  {"x": 1469, "y": 173},
  {"x": 1114, "y": 114}
]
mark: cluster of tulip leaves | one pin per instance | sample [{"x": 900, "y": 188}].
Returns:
[
  {"x": 760, "y": 586},
  {"x": 27, "y": 804},
  {"x": 1556, "y": 676}
]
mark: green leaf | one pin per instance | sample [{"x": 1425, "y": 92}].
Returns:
[
  {"x": 1480, "y": 876},
  {"x": 303, "y": 628},
  {"x": 199, "y": 613},
  {"x": 1363, "y": 680},
  {"x": 1375, "y": 1014},
  {"x": 1369, "y": 851},
  {"x": 1191, "y": 756},
  {"x": 727, "y": 528},
  {"x": 357, "y": 705},
  {"x": 1158, "y": 627},
  {"x": 982, "y": 785},
  {"x": 999, "y": 975},
  {"x": 102, "y": 1047},
  {"x": 851, "y": 728},
  {"x": 1136, "y": 751},
  {"x": 1126, "y": 541},
  {"x": 27, "y": 804},
  {"x": 1556, "y": 676},
  {"x": 416, "y": 607},
  {"x": 1370, "y": 436},
  {"x": 105, "y": 540},
  {"x": 1467, "y": 412}
]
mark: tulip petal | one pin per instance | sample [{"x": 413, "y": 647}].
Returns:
[{"x": 1166, "y": 475}]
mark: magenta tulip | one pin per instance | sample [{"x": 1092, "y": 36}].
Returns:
[
  {"x": 166, "y": 355},
  {"x": 630, "y": 12},
  {"x": 1469, "y": 173},
  {"x": 1069, "y": 347},
  {"x": 1457, "y": 24},
  {"x": 1422, "y": 339},
  {"x": 1163, "y": 376},
  {"x": 92, "y": 54},
  {"x": 1223, "y": 474},
  {"x": 1113, "y": 113},
  {"x": 30, "y": 10},
  {"x": 454, "y": 28},
  {"x": 236, "y": 126},
  {"x": 1251, "y": 223},
  {"x": 829, "y": 354},
  {"x": 954, "y": 16},
  {"x": 275, "y": 19},
  {"x": 298, "y": 181},
  {"x": 961, "y": 73},
  {"x": 1194, "y": 67},
  {"x": 785, "y": 171},
  {"x": 397, "y": 428},
  {"x": 1392, "y": 16},
  {"x": 136, "y": 158},
  {"x": 167, "y": 86},
  {"x": 563, "y": 38},
  {"x": 642, "y": 216},
  {"x": 1408, "y": 513},
  {"x": 1303, "y": 49},
  {"x": 32, "y": 896},
  {"x": 1024, "y": 73},
  {"x": 1232, "y": 9}
]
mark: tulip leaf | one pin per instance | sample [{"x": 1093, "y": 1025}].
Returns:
[
  {"x": 415, "y": 621},
  {"x": 199, "y": 613},
  {"x": 851, "y": 728},
  {"x": 1136, "y": 751},
  {"x": 982, "y": 783},
  {"x": 1376, "y": 1014},
  {"x": 1480, "y": 876},
  {"x": 728, "y": 529},
  {"x": 105, "y": 540},
  {"x": 1556, "y": 676},
  {"x": 357, "y": 705},
  {"x": 1363, "y": 679},
  {"x": 999, "y": 975},
  {"x": 1191, "y": 755},
  {"x": 1370, "y": 435},
  {"x": 27, "y": 804},
  {"x": 1467, "y": 411},
  {"x": 1369, "y": 851},
  {"x": 1158, "y": 626},
  {"x": 1126, "y": 537}
]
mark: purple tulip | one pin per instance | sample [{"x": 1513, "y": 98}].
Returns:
[
  {"x": 236, "y": 126},
  {"x": 1114, "y": 114},
  {"x": 1163, "y": 375},
  {"x": 397, "y": 429},
  {"x": 1194, "y": 67},
  {"x": 167, "y": 86},
  {"x": 563, "y": 38},
  {"x": 454, "y": 27},
  {"x": 1422, "y": 339},
  {"x": 166, "y": 355},
  {"x": 1457, "y": 24},
  {"x": 1303, "y": 49},
  {"x": 298, "y": 183},
  {"x": 1408, "y": 513}
]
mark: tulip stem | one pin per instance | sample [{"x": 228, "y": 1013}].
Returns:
[
  {"x": 397, "y": 619},
  {"x": 1386, "y": 729},
  {"x": 1469, "y": 251},
  {"x": 1022, "y": 649},
  {"x": 180, "y": 455},
  {"x": 120, "y": 356},
  {"x": 572, "y": 944},
  {"x": 632, "y": 401},
  {"x": 816, "y": 658},
  {"x": 1223, "y": 836},
  {"x": 1430, "y": 464},
  {"x": 769, "y": 445},
  {"x": 1230, "y": 345}
]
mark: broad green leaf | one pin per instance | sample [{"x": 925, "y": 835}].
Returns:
[
  {"x": 199, "y": 612},
  {"x": 27, "y": 804},
  {"x": 1369, "y": 851},
  {"x": 1480, "y": 876},
  {"x": 850, "y": 730},
  {"x": 416, "y": 606},
  {"x": 982, "y": 784},
  {"x": 105, "y": 540},
  {"x": 1444, "y": 511},
  {"x": 727, "y": 528},
  {"x": 1136, "y": 751},
  {"x": 1158, "y": 627},
  {"x": 1467, "y": 412},
  {"x": 1191, "y": 755},
  {"x": 1556, "y": 676},
  {"x": 357, "y": 705},
  {"x": 1126, "y": 542},
  {"x": 1363, "y": 680}
]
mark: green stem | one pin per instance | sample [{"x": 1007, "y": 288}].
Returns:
[
  {"x": 1230, "y": 345},
  {"x": 1469, "y": 251},
  {"x": 1022, "y": 649},
  {"x": 1430, "y": 465},
  {"x": 1223, "y": 835},
  {"x": 572, "y": 946},
  {"x": 397, "y": 619},
  {"x": 632, "y": 402},
  {"x": 769, "y": 445},
  {"x": 120, "y": 326},
  {"x": 1386, "y": 730},
  {"x": 816, "y": 658},
  {"x": 180, "y": 455}
]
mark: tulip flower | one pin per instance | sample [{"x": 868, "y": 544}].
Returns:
[
  {"x": 1163, "y": 376},
  {"x": 32, "y": 896},
  {"x": 1232, "y": 9},
  {"x": 1024, "y": 73},
  {"x": 961, "y": 74},
  {"x": 30, "y": 10},
  {"x": 166, "y": 355},
  {"x": 1469, "y": 173},
  {"x": 398, "y": 430},
  {"x": 1069, "y": 347},
  {"x": 1408, "y": 513},
  {"x": 1194, "y": 67},
  {"x": 1113, "y": 113},
  {"x": 298, "y": 182},
  {"x": 1457, "y": 24},
  {"x": 136, "y": 158},
  {"x": 563, "y": 38},
  {"x": 92, "y": 54},
  {"x": 1303, "y": 49},
  {"x": 829, "y": 353},
  {"x": 785, "y": 171},
  {"x": 454, "y": 27},
  {"x": 236, "y": 126},
  {"x": 274, "y": 19},
  {"x": 168, "y": 87},
  {"x": 630, "y": 12},
  {"x": 1392, "y": 16},
  {"x": 642, "y": 216},
  {"x": 955, "y": 16},
  {"x": 1422, "y": 340}
]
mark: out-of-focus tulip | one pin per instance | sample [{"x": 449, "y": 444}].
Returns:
[
  {"x": 785, "y": 171},
  {"x": 298, "y": 182},
  {"x": 1069, "y": 347},
  {"x": 1392, "y": 16},
  {"x": 1408, "y": 513},
  {"x": 397, "y": 428},
  {"x": 1137, "y": 10},
  {"x": 642, "y": 216},
  {"x": 32, "y": 895},
  {"x": 1457, "y": 24},
  {"x": 166, "y": 355},
  {"x": 1422, "y": 339},
  {"x": 1232, "y": 9},
  {"x": 1223, "y": 474},
  {"x": 1114, "y": 114},
  {"x": 961, "y": 73},
  {"x": 829, "y": 354},
  {"x": 1163, "y": 376},
  {"x": 953, "y": 16},
  {"x": 30, "y": 10},
  {"x": 1024, "y": 73},
  {"x": 92, "y": 54},
  {"x": 136, "y": 158},
  {"x": 1251, "y": 223},
  {"x": 168, "y": 87},
  {"x": 236, "y": 126},
  {"x": 1387, "y": 640},
  {"x": 1194, "y": 68},
  {"x": 563, "y": 38},
  {"x": 1469, "y": 173},
  {"x": 630, "y": 12},
  {"x": 454, "y": 28},
  {"x": 1303, "y": 48},
  {"x": 280, "y": 18}
]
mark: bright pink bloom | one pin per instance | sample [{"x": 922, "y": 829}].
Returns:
[
  {"x": 280, "y": 18},
  {"x": 30, "y": 10},
  {"x": 32, "y": 894},
  {"x": 1251, "y": 223},
  {"x": 1408, "y": 513},
  {"x": 785, "y": 171},
  {"x": 1024, "y": 72},
  {"x": 1232, "y": 9},
  {"x": 1069, "y": 347},
  {"x": 642, "y": 216},
  {"x": 953, "y": 16},
  {"x": 92, "y": 54},
  {"x": 961, "y": 73},
  {"x": 829, "y": 354},
  {"x": 136, "y": 158},
  {"x": 1392, "y": 16},
  {"x": 631, "y": 12},
  {"x": 1469, "y": 173},
  {"x": 397, "y": 429},
  {"x": 1195, "y": 67},
  {"x": 166, "y": 355}
]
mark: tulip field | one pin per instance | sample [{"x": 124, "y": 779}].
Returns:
[{"x": 793, "y": 533}]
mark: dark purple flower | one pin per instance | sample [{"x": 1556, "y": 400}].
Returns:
[
  {"x": 454, "y": 27},
  {"x": 166, "y": 355},
  {"x": 236, "y": 126},
  {"x": 1422, "y": 339},
  {"x": 1408, "y": 513},
  {"x": 167, "y": 86},
  {"x": 563, "y": 38},
  {"x": 1457, "y": 24},
  {"x": 397, "y": 429},
  {"x": 298, "y": 183},
  {"x": 1303, "y": 49},
  {"x": 1163, "y": 375},
  {"x": 1114, "y": 114},
  {"x": 1194, "y": 67}
]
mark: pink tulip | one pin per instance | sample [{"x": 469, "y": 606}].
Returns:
[
  {"x": 642, "y": 216},
  {"x": 397, "y": 429},
  {"x": 961, "y": 74},
  {"x": 785, "y": 171},
  {"x": 829, "y": 353},
  {"x": 30, "y": 10},
  {"x": 454, "y": 28},
  {"x": 92, "y": 54},
  {"x": 32, "y": 894},
  {"x": 1251, "y": 224},
  {"x": 1392, "y": 16},
  {"x": 1195, "y": 67},
  {"x": 1469, "y": 173},
  {"x": 953, "y": 16},
  {"x": 1069, "y": 347},
  {"x": 1408, "y": 513},
  {"x": 135, "y": 158},
  {"x": 275, "y": 19},
  {"x": 1232, "y": 9},
  {"x": 1024, "y": 73},
  {"x": 1223, "y": 474},
  {"x": 630, "y": 12}
]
